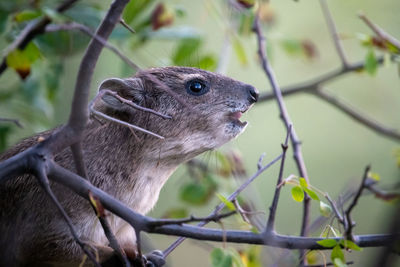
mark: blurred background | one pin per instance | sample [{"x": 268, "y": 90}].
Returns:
[{"x": 216, "y": 35}]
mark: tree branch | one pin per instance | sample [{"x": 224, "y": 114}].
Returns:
[
  {"x": 286, "y": 120},
  {"x": 356, "y": 115},
  {"x": 272, "y": 209},
  {"x": 334, "y": 33},
  {"x": 31, "y": 30}
]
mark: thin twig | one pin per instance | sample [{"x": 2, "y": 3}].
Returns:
[
  {"x": 334, "y": 33},
  {"x": 298, "y": 156},
  {"x": 114, "y": 120},
  {"x": 15, "y": 121},
  {"x": 44, "y": 182},
  {"x": 335, "y": 209},
  {"x": 177, "y": 242},
  {"x": 86, "y": 30},
  {"x": 210, "y": 218},
  {"x": 349, "y": 222},
  {"x": 132, "y": 104},
  {"x": 272, "y": 209},
  {"x": 356, "y": 115},
  {"x": 380, "y": 32}
]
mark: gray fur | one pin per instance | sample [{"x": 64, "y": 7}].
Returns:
[{"x": 31, "y": 230}]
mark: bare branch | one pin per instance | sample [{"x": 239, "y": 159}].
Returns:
[
  {"x": 298, "y": 156},
  {"x": 334, "y": 33},
  {"x": 210, "y": 218},
  {"x": 349, "y": 223},
  {"x": 86, "y": 30},
  {"x": 315, "y": 83},
  {"x": 356, "y": 115},
  {"x": 272, "y": 209},
  {"x": 15, "y": 121},
  {"x": 114, "y": 120},
  {"x": 380, "y": 32},
  {"x": 44, "y": 182},
  {"x": 335, "y": 209}
]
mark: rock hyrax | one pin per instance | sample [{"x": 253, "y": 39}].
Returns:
[{"x": 131, "y": 166}]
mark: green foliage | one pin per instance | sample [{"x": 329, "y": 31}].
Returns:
[
  {"x": 21, "y": 60},
  {"x": 225, "y": 258},
  {"x": 297, "y": 193},
  {"x": 327, "y": 243},
  {"x": 325, "y": 209},
  {"x": 371, "y": 64},
  {"x": 337, "y": 253},
  {"x": 199, "y": 192},
  {"x": 227, "y": 203}
]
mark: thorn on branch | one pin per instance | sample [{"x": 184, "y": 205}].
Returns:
[{"x": 129, "y": 28}]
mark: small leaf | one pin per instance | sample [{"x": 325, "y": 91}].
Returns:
[
  {"x": 220, "y": 259},
  {"x": 325, "y": 209},
  {"x": 26, "y": 15},
  {"x": 339, "y": 263},
  {"x": 327, "y": 243},
  {"x": 349, "y": 244},
  {"x": 185, "y": 50},
  {"x": 246, "y": 3},
  {"x": 208, "y": 62},
  {"x": 303, "y": 182},
  {"x": 374, "y": 175},
  {"x": 337, "y": 253},
  {"x": 371, "y": 64},
  {"x": 311, "y": 193},
  {"x": 227, "y": 203},
  {"x": 21, "y": 60},
  {"x": 292, "y": 47},
  {"x": 100, "y": 212},
  {"x": 297, "y": 194}
]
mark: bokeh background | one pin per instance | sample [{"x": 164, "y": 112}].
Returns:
[{"x": 336, "y": 148}]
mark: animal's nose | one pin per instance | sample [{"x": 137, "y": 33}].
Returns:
[{"x": 253, "y": 94}]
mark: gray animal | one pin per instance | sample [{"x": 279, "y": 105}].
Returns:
[{"x": 131, "y": 166}]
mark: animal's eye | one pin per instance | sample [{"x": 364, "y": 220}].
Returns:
[{"x": 196, "y": 87}]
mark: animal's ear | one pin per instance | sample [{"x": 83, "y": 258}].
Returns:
[{"x": 131, "y": 89}]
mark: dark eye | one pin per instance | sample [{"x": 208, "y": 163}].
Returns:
[{"x": 196, "y": 87}]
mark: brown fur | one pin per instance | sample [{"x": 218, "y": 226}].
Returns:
[{"x": 132, "y": 169}]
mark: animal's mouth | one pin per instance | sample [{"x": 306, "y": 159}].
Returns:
[{"x": 235, "y": 117}]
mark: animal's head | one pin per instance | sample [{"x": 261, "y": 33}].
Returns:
[{"x": 205, "y": 107}]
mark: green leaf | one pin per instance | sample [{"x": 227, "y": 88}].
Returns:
[
  {"x": 26, "y": 15},
  {"x": 327, "y": 243},
  {"x": 134, "y": 9},
  {"x": 292, "y": 47},
  {"x": 194, "y": 193},
  {"x": 21, "y": 60},
  {"x": 240, "y": 51},
  {"x": 297, "y": 193},
  {"x": 337, "y": 253},
  {"x": 220, "y": 259},
  {"x": 325, "y": 209},
  {"x": 339, "y": 263},
  {"x": 349, "y": 244},
  {"x": 303, "y": 182},
  {"x": 227, "y": 203},
  {"x": 371, "y": 64},
  {"x": 185, "y": 50},
  {"x": 311, "y": 193},
  {"x": 208, "y": 62},
  {"x": 55, "y": 16},
  {"x": 5, "y": 131},
  {"x": 199, "y": 192}
]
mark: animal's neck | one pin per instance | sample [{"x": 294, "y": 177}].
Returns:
[{"x": 126, "y": 167}]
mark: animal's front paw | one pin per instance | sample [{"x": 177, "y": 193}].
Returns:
[{"x": 154, "y": 259}]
